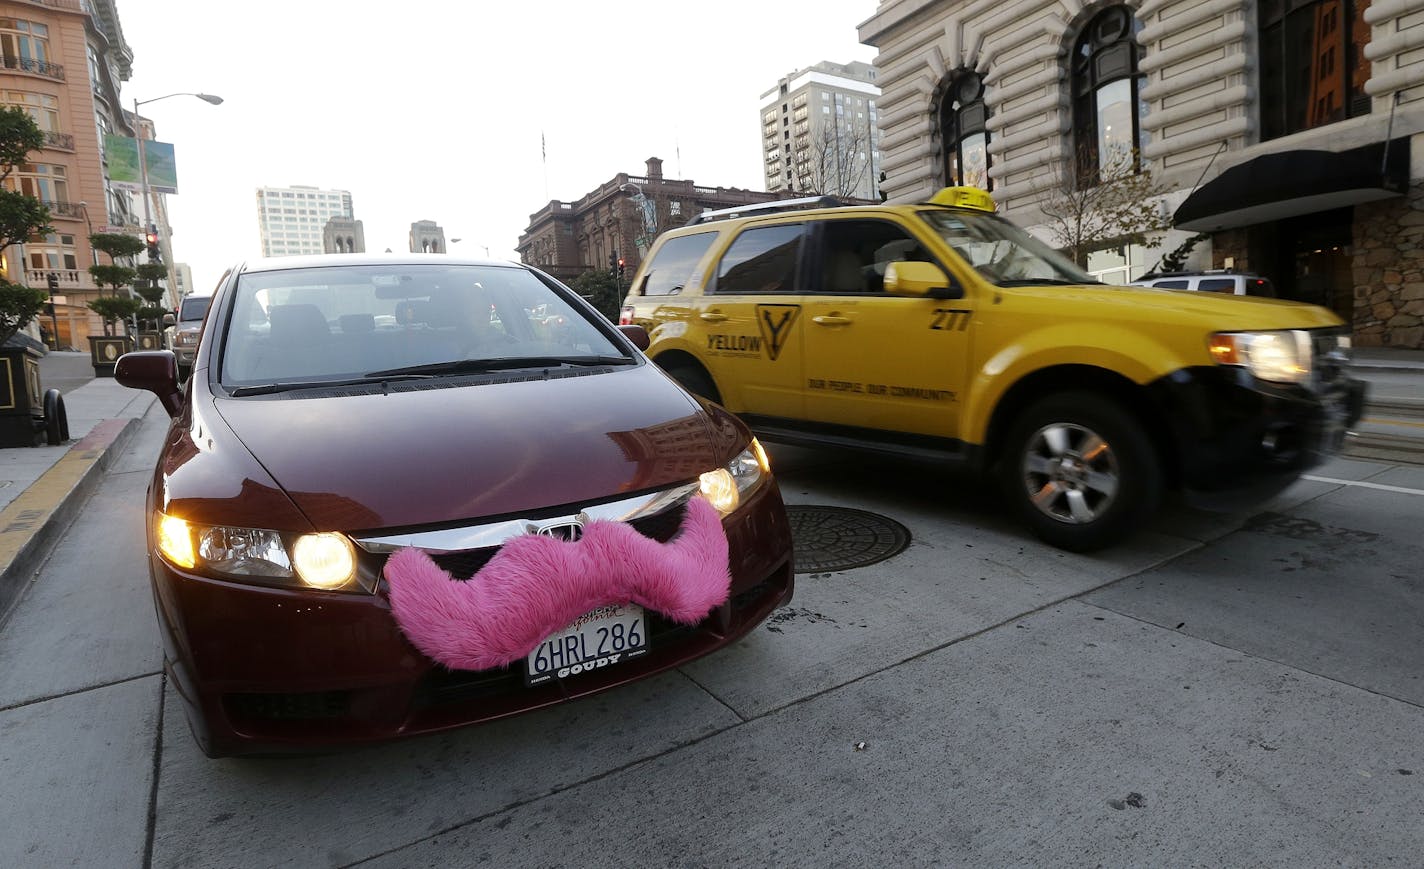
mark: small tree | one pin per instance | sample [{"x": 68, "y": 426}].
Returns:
[
  {"x": 22, "y": 218},
  {"x": 600, "y": 287},
  {"x": 149, "y": 274},
  {"x": 115, "y": 309},
  {"x": 1090, "y": 206},
  {"x": 113, "y": 275},
  {"x": 837, "y": 161}
]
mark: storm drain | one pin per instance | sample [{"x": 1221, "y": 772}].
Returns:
[{"x": 838, "y": 538}]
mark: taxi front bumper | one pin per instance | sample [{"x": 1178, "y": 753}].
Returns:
[{"x": 1238, "y": 440}]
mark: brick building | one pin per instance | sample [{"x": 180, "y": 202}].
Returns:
[{"x": 622, "y": 216}]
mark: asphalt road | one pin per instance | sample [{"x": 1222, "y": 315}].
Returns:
[{"x": 1235, "y": 689}]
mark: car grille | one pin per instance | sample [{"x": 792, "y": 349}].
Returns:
[{"x": 1330, "y": 365}]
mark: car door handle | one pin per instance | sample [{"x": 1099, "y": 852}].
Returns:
[
  {"x": 713, "y": 316},
  {"x": 831, "y": 321}
]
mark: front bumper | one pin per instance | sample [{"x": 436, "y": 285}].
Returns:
[
  {"x": 266, "y": 670},
  {"x": 1239, "y": 440}
]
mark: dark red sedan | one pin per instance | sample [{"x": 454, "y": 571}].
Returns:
[{"x": 394, "y": 501}]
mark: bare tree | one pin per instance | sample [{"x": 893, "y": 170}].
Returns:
[
  {"x": 836, "y": 161},
  {"x": 1090, "y": 206}
]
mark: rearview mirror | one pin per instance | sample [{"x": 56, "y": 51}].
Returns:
[
  {"x": 155, "y": 371},
  {"x": 637, "y": 334},
  {"x": 926, "y": 280},
  {"x": 168, "y": 320}
]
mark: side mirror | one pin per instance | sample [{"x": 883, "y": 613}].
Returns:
[
  {"x": 155, "y": 371},
  {"x": 168, "y": 320},
  {"x": 638, "y": 335},
  {"x": 925, "y": 280}
]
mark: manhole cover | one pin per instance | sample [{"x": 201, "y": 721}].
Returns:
[{"x": 839, "y": 538}]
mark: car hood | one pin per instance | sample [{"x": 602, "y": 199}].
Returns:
[
  {"x": 429, "y": 452},
  {"x": 1214, "y": 311}
]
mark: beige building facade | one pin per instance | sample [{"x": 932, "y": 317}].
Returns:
[
  {"x": 620, "y": 219},
  {"x": 1290, "y": 134},
  {"x": 63, "y": 61}
]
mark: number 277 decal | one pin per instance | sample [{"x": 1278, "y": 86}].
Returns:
[{"x": 950, "y": 319}]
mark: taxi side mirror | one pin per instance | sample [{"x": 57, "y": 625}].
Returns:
[{"x": 925, "y": 280}]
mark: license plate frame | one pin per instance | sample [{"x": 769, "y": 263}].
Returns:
[{"x": 600, "y": 638}]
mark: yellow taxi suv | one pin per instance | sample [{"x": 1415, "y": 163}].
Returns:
[{"x": 940, "y": 329}]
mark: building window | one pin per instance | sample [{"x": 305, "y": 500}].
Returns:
[
  {"x": 54, "y": 253},
  {"x": 24, "y": 44},
  {"x": 42, "y": 107},
  {"x": 1107, "y": 103},
  {"x": 962, "y": 119},
  {"x": 42, "y": 181},
  {"x": 1313, "y": 65}
]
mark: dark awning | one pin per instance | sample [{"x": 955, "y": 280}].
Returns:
[{"x": 1288, "y": 183}]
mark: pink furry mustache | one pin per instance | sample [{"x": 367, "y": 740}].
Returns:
[{"x": 536, "y": 585}]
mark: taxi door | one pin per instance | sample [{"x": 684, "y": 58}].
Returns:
[
  {"x": 750, "y": 320},
  {"x": 873, "y": 360}
]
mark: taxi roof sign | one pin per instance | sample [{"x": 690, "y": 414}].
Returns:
[{"x": 965, "y": 197}]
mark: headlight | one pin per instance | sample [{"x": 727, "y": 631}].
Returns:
[
  {"x": 724, "y": 487},
  {"x": 1283, "y": 357},
  {"x": 325, "y": 561}
]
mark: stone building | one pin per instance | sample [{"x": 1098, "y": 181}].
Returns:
[
  {"x": 343, "y": 235},
  {"x": 620, "y": 218},
  {"x": 1290, "y": 133},
  {"x": 427, "y": 236}
]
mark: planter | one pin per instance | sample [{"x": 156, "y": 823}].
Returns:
[
  {"x": 21, "y": 404},
  {"x": 150, "y": 341},
  {"x": 105, "y": 351}
]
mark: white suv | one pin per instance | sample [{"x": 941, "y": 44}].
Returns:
[
  {"x": 1212, "y": 281},
  {"x": 191, "y": 312}
]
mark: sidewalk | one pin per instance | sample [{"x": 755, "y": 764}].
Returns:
[
  {"x": 1389, "y": 359},
  {"x": 42, "y": 487}
]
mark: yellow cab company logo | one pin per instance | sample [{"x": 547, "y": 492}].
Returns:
[{"x": 773, "y": 321}]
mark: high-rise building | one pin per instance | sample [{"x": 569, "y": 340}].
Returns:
[
  {"x": 183, "y": 281},
  {"x": 63, "y": 64},
  {"x": 292, "y": 220},
  {"x": 819, "y": 132}
]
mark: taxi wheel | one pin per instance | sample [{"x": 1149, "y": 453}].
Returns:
[
  {"x": 1080, "y": 470},
  {"x": 695, "y": 381}
]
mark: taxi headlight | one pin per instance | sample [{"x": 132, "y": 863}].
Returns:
[
  {"x": 324, "y": 561},
  {"x": 724, "y": 487},
  {"x": 1281, "y": 357}
]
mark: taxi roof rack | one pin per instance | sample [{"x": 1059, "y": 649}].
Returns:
[{"x": 767, "y": 208}]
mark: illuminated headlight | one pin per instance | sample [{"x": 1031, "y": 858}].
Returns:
[
  {"x": 188, "y": 338},
  {"x": 325, "y": 561},
  {"x": 1282, "y": 357},
  {"x": 724, "y": 487}
]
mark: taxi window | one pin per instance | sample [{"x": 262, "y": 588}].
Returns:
[
  {"x": 855, "y": 253},
  {"x": 1217, "y": 285},
  {"x": 761, "y": 260},
  {"x": 672, "y": 266}
]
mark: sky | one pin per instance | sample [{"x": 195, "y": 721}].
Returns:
[{"x": 436, "y": 110}]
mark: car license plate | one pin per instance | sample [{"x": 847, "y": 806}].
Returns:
[{"x": 597, "y": 639}]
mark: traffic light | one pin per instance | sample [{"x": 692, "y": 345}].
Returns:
[
  {"x": 154, "y": 254},
  {"x": 52, "y": 280},
  {"x": 620, "y": 267},
  {"x": 612, "y": 260}
]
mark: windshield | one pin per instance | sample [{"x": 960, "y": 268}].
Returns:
[
  {"x": 1001, "y": 252},
  {"x": 358, "y": 322},
  {"x": 194, "y": 307}
]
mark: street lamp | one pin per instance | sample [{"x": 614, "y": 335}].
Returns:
[{"x": 142, "y": 160}]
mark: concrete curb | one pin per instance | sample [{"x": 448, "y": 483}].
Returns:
[{"x": 30, "y": 523}]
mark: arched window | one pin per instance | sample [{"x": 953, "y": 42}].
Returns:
[
  {"x": 962, "y": 118},
  {"x": 1107, "y": 102}
]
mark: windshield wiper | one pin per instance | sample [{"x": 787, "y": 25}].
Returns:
[
  {"x": 291, "y": 385},
  {"x": 478, "y": 366},
  {"x": 1048, "y": 282}
]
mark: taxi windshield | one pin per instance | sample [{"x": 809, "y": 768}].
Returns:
[{"x": 1002, "y": 253}]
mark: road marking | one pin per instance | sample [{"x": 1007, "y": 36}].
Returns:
[{"x": 1382, "y": 487}]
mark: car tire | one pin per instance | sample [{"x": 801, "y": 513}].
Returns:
[
  {"x": 1080, "y": 470},
  {"x": 695, "y": 381}
]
